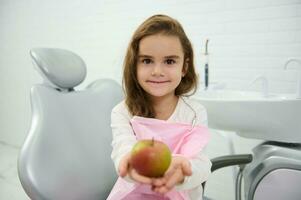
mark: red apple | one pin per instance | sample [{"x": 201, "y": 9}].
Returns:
[{"x": 150, "y": 158}]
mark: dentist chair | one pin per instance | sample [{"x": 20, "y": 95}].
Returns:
[{"x": 66, "y": 155}]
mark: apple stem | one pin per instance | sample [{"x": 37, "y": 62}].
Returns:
[{"x": 153, "y": 141}]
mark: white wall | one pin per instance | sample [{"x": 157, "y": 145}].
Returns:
[{"x": 247, "y": 38}]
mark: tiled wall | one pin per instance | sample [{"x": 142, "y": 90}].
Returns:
[{"x": 247, "y": 38}]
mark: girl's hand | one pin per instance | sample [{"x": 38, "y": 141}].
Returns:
[
  {"x": 126, "y": 169},
  {"x": 178, "y": 169}
]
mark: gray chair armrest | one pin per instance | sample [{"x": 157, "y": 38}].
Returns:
[{"x": 230, "y": 160}]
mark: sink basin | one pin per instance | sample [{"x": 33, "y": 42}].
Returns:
[{"x": 249, "y": 114}]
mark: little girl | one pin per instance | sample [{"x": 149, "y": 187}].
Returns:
[{"x": 158, "y": 72}]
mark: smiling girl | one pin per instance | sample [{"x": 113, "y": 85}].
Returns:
[{"x": 158, "y": 75}]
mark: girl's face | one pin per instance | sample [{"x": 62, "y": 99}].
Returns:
[{"x": 160, "y": 65}]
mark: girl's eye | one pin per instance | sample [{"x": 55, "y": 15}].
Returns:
[
  {"x": 146, "y": 61},
  {"x": 170, "y": 61}
]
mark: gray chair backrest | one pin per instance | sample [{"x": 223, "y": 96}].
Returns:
[{"x": 66, "y": 155}]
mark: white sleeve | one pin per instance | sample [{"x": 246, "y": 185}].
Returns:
[
  {"x": 123, "y": 135},
  {"x": 201, "y": 165}
]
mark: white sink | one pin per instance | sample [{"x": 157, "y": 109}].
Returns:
[{"x": 249, "y": 114}]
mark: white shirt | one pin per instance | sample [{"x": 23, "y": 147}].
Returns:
[{"x": 124, "y": 139}]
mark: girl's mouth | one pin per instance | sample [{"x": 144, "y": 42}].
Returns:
[{"x": 157, "y": 82}]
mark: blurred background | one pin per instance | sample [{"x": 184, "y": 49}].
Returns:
[{"x": 247, "y": 38}]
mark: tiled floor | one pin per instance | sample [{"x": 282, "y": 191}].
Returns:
[{"x": 220, "y": 185}]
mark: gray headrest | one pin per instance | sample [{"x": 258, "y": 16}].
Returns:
[{"x": 62, "y": 68}]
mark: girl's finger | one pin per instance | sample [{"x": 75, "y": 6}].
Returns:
[
  {"x": 161, "y": 190},
  {"x": 137, "y": 177},
  {"x": 158, "y": 181},
  {"x": 174, "y": 179},
  {"x": 169, "y": 172},
  {"x": 186, "y": 168},
  {"x": 123, "y": 166}
]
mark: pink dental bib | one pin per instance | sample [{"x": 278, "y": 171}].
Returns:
[{"x": 182, "y": 139}]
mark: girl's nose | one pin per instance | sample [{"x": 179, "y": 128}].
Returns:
[{"x": 157, "y": 70}]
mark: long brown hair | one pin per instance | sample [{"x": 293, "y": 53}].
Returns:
[{"x": 136, "y": 98}]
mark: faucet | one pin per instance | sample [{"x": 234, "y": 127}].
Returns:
[
  {"x": 286, "y": 64},
  {"x": 264, "y": 81}
]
